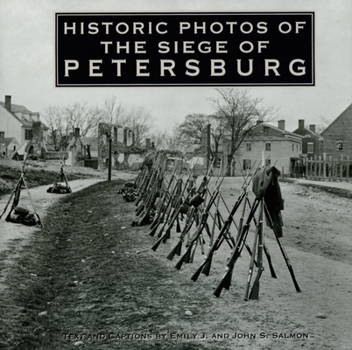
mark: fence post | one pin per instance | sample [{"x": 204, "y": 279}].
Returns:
[
  {"x": 335, "y": 169},
  {"x": 330, "y": 168},
  {"x": 324, "y": 166},
  {"x": 348, "y": 168}
]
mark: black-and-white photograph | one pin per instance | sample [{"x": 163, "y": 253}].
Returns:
[{"x": 175, "y": 174}]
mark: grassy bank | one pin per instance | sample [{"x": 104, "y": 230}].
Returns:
[
  {"x": 9, "y": 177},
  {"x": 88, "y": 278}
]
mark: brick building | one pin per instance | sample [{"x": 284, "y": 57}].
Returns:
[
  {"x": 311, "y": 142},
  {"x": 337, "y": 139}
]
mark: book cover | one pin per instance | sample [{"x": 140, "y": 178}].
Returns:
[{"x": 161, "y": 65}]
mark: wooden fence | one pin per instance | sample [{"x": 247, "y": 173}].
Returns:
[{"x": 329, "y": 169}]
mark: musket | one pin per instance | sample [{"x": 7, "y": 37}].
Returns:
[
  {"x": 169, "y": 223},
  {"x": 187, "y": 257},
  {"x": 163, "y": 199},
  {"x": 146, "y": 194},
  {"x": 205, "y": 266},
  {"x": 149, "y": 180},
  {"x": 255, "y": 288},
  {"x": 16, "y": 192},
  {"x": 258, "y": 234},
  {"x": 151, "y": 201},
  {"x": 178, "y": 247},
  {"x": 166, "y": 212},
  {"x": 266, "y": 250},
  {"x": 62, "y": 176},
  {"x": 288, "y": 263},
  {"x": 200, "y": 192},
  {"x": 226, "y": 280}
]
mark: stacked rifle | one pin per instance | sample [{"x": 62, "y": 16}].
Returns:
[
  {"x": 21, "y": 214},
  {"x": 168, "y": 201},
  {"x": 60, "y": 184}
]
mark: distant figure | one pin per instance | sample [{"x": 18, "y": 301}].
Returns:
[
  {"x": 233, "y": 168},
  {"x": 303, "y": 170}
]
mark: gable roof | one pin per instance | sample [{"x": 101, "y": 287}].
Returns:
[
  {"x": 283, "y": 132},
  {"x": 8, "y": 140},
  {"x": 348, "y": 110},
  {"x": 22, "y": 109},
  {"x": 307, "y": 131}
]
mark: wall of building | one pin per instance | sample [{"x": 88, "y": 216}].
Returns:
[
  {"x": 10, "y": 125},
  {"x": 280, "y": 154},
  {"x": 340, "y": 130}
]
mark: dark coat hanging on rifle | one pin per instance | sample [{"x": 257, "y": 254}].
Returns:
[{"x": 266, "y": 184}]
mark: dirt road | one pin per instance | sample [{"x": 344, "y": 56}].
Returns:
[
  {"x": 41, "y": 200},
  {"x": 317, "y": 239}
]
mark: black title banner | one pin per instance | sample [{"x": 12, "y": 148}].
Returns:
[{"x": 185, "y": 49}]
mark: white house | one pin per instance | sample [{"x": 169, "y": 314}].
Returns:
[
  {"x": 16, "y": 121},
  {"x": 281, "y": 148}
]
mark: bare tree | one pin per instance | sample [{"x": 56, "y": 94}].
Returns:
[
  {"x": 81, "y": 116},
  {"x": 112, "y": 112},
  {"x": 61, "y": 121},
  {"x": 239, "y": 113},
  {"x": 164, "y": 140},
  {"x": 58, "y": 128},
  {"x": 138, "y": 120}
]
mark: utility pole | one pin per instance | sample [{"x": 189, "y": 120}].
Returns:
[
  {"x": 109, "y": 167},
  {"x": 208, "y": 146}
]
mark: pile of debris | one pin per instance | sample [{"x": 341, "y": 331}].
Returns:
[{"x": 128, "y": 192}]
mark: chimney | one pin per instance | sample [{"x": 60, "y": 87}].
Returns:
[
  {"x": 8, "y": 102},
  {"x": 281, "y": 124},
  {"x": 77, "y": 133},
  {"x": 2, "y": 135},
  {"x": 312, "y": 127},
  {"x": 301, "y": 124},
  {"x": 37, "y": 131}
]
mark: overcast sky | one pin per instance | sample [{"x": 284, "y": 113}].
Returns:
[{"x": 27, "y": 68}]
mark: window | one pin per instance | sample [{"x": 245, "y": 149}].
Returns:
[
  {"x": 267, "y": 162},
  {"x": 339, "y": 145},
  {"x": 14, "y": 148},
  {"x": 28, "y": 135},
  {"x": 248, "y": 146},
  {"x": 297, "y": 148},
  {"x": 246, "y": 164},
  {"x": 293, "y": 147},
  {"x": 310, "y": 148},
  {"x": 268, "y": 147}
]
